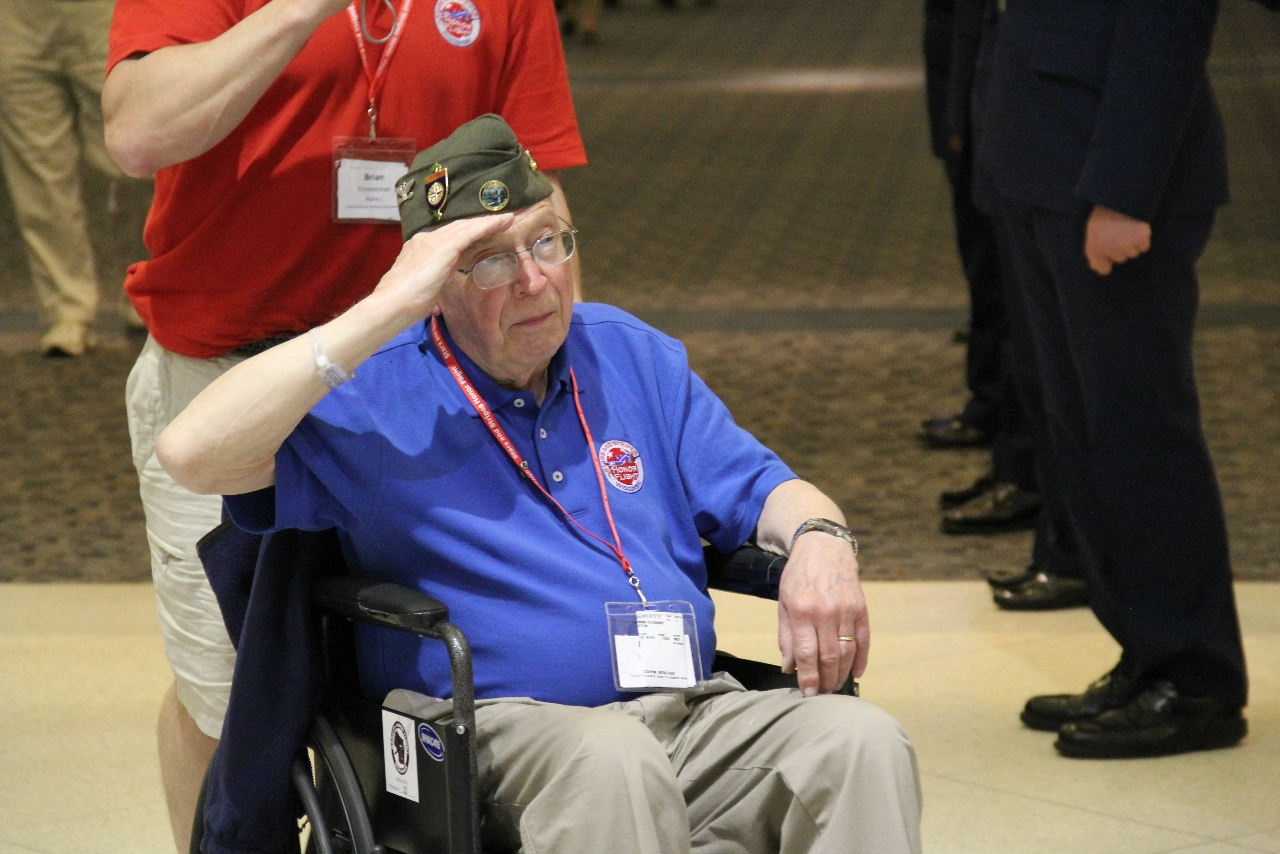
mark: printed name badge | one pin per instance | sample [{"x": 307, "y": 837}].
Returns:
[
  {"x": 399, "y": 756},
  {"x": 365, "y": 172},
  {"x": 655, "y": 647}
]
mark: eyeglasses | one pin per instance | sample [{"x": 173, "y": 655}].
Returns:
[{"x": 498, "y": 271}]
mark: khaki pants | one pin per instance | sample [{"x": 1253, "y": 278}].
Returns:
[
  {"x": 715, "y": 769},
  {"x": 52, "y": 63},
  {"x": 160, "y": 386}
]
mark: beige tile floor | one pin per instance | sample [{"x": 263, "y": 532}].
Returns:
[{"x": 81, "y": 672}]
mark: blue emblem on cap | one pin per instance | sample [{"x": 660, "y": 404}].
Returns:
[
  {"x": 431, "y": 742},
  {"x": 494, "y": 195}
]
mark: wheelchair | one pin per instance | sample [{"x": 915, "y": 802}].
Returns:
[{"x": 341, "y": 777}]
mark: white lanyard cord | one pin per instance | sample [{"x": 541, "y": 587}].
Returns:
[{"x": 364, "y": 22}]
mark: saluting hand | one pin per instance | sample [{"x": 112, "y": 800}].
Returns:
[
  {"x": 429, "y": 258},
  {"x": 1112, "y": 238}
]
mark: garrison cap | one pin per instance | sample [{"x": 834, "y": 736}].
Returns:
[{"x": 480, "y": 168}]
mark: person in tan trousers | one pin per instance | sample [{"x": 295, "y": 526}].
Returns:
[{"x": 52, "y": 63}]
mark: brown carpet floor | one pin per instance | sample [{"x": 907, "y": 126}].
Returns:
[{"x": 761, "y": 185}]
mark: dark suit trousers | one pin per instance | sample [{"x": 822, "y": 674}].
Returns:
[
  {"x": 976, "y": 241},
  {"x": 1123, "y": 414},
  {"x": 1023, "y": 441}
]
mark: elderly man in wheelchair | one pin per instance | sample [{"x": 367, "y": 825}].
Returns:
[{"x": 558, "y": 467}]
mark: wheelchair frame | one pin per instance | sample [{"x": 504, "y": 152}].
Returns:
[{"x": 344, "y": 793}]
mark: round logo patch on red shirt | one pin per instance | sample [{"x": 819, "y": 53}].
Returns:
[
  {"x": 622, "y": 466},
  {"x": 458, "y": 21}
]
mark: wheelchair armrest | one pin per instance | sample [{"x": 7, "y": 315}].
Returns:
[
  {"x": 381, "y": 603},
  {"x": 395, "y": 606},
  {"x": 750, "y": 570}
]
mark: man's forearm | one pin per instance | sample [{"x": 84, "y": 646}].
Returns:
[
  {"x": 226, "y": 440},
  {"x": 178, "y": 102},
  {"x": 789, "y": 505}
]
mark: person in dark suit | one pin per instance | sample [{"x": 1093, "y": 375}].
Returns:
[
  {"x": 1021, "y": 453},
  {"x": 975, "y": 240},
  {"x": 1106, "y": 146},
  {"x": 1005, "y": 498}
]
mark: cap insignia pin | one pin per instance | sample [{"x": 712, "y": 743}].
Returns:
[
  {"x": 494, "y": 195},
  {"x": 404, "y": 190},
  {"x": 436, "y": 187}
]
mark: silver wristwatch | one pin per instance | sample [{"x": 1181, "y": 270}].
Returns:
[{"x": 826, "y": 526}]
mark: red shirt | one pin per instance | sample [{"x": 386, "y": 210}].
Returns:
[{"x": 242, "y": 241}]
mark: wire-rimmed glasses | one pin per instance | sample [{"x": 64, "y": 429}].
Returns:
[{"x": 502, "y": 269}]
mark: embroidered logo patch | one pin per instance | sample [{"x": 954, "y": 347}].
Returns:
[
  {"x": 622, "y": 466},
  {"x": 458, "y": 21}
]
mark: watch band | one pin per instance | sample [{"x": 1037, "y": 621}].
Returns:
[{"x": 826, "y": 526}]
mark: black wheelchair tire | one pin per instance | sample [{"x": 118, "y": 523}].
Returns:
[{"x": 333, "y": 800}]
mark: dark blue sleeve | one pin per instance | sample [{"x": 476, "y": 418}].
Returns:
[{"x": 1155, "y": 75}]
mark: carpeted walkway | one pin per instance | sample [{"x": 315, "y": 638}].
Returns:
[{"x": 760, "y": 185}]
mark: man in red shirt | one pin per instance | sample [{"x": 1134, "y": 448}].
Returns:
[{"x": 276, "y": 131}]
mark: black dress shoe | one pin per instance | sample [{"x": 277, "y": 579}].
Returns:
[
  {"x": 949, "y": 498},
  {"x": 1157, "y": 722},
  {"x": 1043, "y": 591},
  {"x": 1002, "y": 508},
  {"x": 953, "y": 432},
  {"x": 1050, "y": 712},
  {"x": 1007, "y": 579}
]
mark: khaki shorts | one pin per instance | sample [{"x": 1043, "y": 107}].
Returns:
[{"x": 160, "y": 385}]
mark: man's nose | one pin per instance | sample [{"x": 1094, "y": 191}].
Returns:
[{"x": 532, "y": 277}]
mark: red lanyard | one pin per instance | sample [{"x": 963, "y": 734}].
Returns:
[
  {"x": 522, "y": 465},
  {"x": 379, "y": 77}
]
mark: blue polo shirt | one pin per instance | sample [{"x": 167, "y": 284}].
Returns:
[{"x": 401, "y": 464}]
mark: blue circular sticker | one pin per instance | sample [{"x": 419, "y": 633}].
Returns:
[{"x": 431, "y": 742}]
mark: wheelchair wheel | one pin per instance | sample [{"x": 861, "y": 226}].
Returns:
[{"x": 332, "y": 797}]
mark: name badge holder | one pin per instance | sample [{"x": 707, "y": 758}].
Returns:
[
  {"x": 365, "y": 172},
  {"x": 654, "y": 646}
]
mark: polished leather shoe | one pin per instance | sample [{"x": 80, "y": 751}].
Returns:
[
  {"x": 1043, "y": 591},
  {"x": 1050, "y": 712},
  {"x": 1158, "y": 721},
  {"x": 1007, "y": 579},
  {"x": 953, "y": 432},
  {"x": 1002, "y": 508},
  {"x": 950, "y": 498}
]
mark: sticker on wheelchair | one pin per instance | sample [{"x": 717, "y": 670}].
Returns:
[
  {"x": 399, "y": 756},
  {"x": 655, "y": 647},
  {"x": 431, "y": 742}
]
